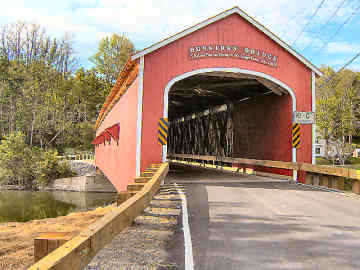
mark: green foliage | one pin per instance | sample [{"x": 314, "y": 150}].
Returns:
[
  {"x": 27, "y": 166},
  {"x": 112, "y": 54},
  {"x": 356, "y": 140},
  {"x": 41, "y": 92},
  {"x": 353, "y": 160},
  {"x": 18, "y": 160},
  {"x": 323, "y": 161},
  {"x": 50, "y": 168},
  {"x": 338, "y": 110}
]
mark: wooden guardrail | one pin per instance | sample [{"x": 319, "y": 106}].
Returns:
[
  {"x": 320, "y": 175},
  {"x": 78, "y": 252}
]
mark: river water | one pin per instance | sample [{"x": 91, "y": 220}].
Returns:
[{"x": 16, "y": 205}]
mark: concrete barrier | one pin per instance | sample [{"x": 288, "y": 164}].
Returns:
[{"x": 93, "y": 183}]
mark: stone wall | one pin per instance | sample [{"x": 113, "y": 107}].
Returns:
[
  {"x": 94, "y": 183},
  {"x": 84, "y": 200}
]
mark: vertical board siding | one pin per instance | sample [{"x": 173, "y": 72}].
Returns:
[
  {"x": 172, "y": 60},
  {"x": 256, "y": 125},
  {"x": 118, "y": 161}
]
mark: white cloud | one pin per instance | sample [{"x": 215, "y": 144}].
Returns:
[
  {"x": 146, "y": 22},
  {"x": 342, "y": 47}
]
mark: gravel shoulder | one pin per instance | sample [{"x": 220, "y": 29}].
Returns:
[{"x": 145, "y": 244}]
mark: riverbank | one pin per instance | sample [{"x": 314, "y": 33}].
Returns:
[
  {"x": 16, "y": 238},
  {"x": 11, "y": 187}
]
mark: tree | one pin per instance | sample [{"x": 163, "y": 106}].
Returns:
[
  {"x": 112, "y": 55},
  {"x": 338, "y": 109},
  {"x": 41, "y": 93},
  {"x": 18, "y": 160}
]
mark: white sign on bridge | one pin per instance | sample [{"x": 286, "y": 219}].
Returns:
[{"x": 304, "y": 117}]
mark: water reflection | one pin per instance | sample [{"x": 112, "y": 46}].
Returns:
[{"x": 27, "y": 205}]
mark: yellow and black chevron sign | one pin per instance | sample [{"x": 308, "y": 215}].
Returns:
[
  {"x": 163, "y": 131},
  {"x": 296, "y": 135}
]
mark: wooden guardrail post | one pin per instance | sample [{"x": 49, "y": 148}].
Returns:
[
  {"x": 316, "y": 180},
  {"x": 47, "y": 242},
  {"x": 339, "y": 182},
  {"x": 325, "y": 180},
  {"x": 308, "y": 178},
  {"x": 356, "y": 187}
]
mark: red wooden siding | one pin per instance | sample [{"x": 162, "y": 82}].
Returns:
[
  {"x": 118, "y": 160},
  {"x": 172, "y": 60}
]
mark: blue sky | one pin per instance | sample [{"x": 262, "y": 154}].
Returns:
[{"x": 146, "y": 22}]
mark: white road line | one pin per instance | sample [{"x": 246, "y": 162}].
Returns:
[{"x": 189, "y": 261}]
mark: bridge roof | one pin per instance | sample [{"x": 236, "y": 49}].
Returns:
[
  {"x": 125, "y": 79},
  {"x": 243, "y": 14}
]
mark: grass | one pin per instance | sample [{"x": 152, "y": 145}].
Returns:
[
  {"x": 323, "y": 161},
  {"x": 356, "y": 140},
  {"x": 16, "y": 238},
  {"x": 353, "y": 163}
]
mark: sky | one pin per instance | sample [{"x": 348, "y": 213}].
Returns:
[{"x": 330, "y": 36}]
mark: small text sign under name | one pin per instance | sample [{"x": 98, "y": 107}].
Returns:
[{"x": 304, "y": 117}]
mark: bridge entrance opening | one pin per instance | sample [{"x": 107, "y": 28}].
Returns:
[
  {"x": 230, "y": 114},
  {"x": 228, "y": 86}
]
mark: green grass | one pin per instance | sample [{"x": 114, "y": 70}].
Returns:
[
  {"x": 323, "y": 161},
  {"x": 352, "y": 166},
  {"x": 353, "y": 160},
  {"x": 356, "y": 140},
  {"x": 352, "y": 163}
]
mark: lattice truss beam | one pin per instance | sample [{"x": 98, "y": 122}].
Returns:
[{"x": 210, "y": 134}]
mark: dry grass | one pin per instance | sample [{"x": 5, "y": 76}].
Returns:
[{"x": 16, "y": 238}]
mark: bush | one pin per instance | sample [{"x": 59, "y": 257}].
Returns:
[
  {"x": 352, "y": 160},
  {"x": 17, "y": 160},
  {"x": 50, "y": 167},
  {"x": 29, "y": 167}
]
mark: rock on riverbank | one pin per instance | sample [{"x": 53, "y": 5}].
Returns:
[{"x": 82, "y": 168}]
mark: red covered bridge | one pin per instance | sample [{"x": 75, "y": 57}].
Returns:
[{"x": 227, "y": 86}]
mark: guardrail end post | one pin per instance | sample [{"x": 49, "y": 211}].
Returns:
[{"x": 47, "y": 242}]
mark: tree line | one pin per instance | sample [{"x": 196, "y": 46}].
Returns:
[
  {"x": 338, "y": 111},
  {"x": 48, "y": 102},
  {"x": 45, "y": 94}
]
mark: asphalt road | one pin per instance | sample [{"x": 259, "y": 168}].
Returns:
[{"x": 251, "y": 222}]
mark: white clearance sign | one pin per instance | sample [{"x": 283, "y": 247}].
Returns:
[{"x": 304, "y": 117}]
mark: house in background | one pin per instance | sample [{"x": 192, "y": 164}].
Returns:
[
  {"x": 319, "y": 147},
  {"x": 356, "y": 153}
]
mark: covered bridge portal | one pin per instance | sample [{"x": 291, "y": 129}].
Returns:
[{"x": 227, "y": 86}]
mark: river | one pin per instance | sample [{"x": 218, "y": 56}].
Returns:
[{"x": 18, "y": 205}]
